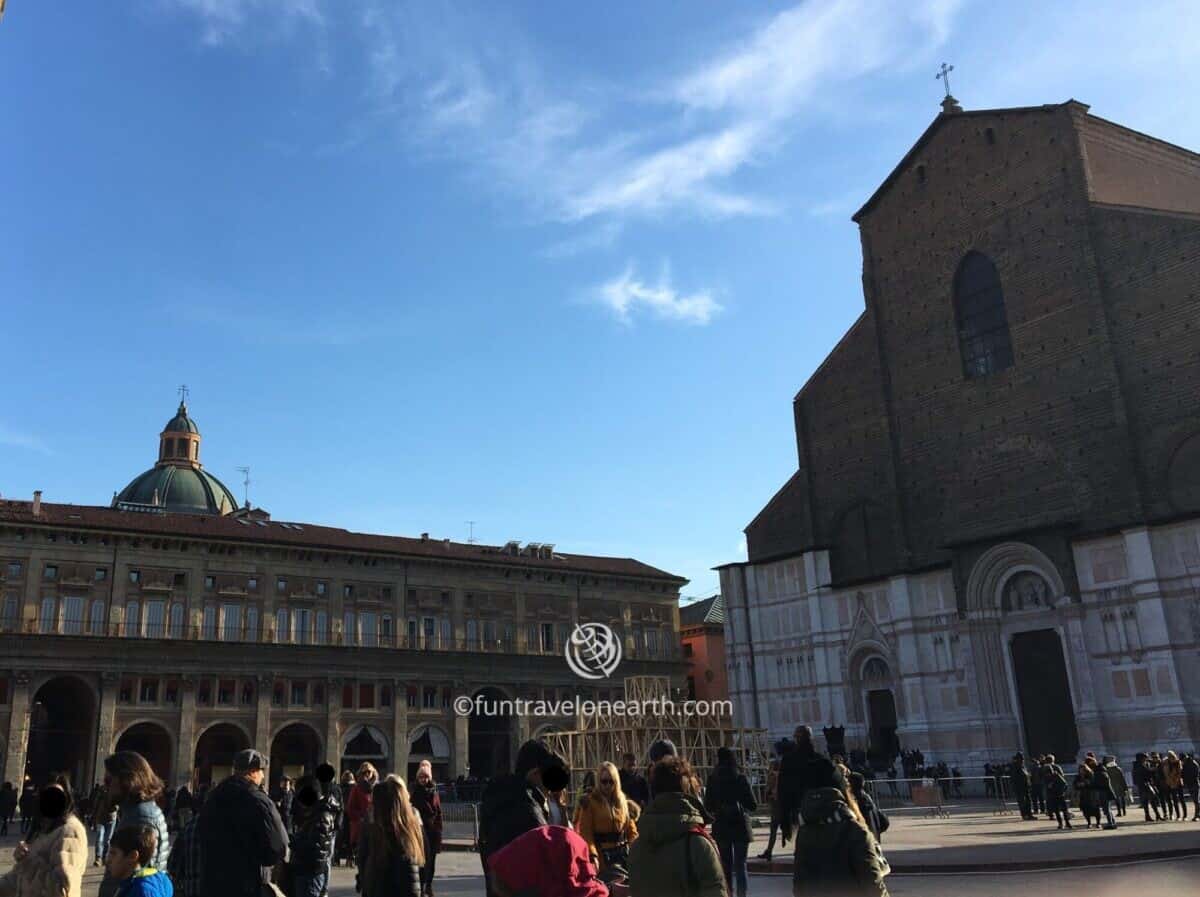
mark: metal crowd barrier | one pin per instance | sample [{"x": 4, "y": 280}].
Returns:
[
  {"x": 460, "y": 822},
  {"x": 940, "y": 796}
]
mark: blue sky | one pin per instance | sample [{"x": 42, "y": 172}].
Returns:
[{"x": 555, "y": 268}]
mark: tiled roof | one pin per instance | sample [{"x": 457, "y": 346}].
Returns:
[
  {"x": 307, "y": 535},
  {"x": 710, "y": 610}
]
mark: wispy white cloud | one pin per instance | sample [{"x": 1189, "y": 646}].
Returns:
[
  {"x": 222, "y": 19},
  {"x": 594, "y": 239},
  {"x": 627, "y": 294},
  {"x": 471, "y": 88},
  {"x": 22, "y": 440}
]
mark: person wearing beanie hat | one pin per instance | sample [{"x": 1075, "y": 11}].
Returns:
[
  {"x": 428, "y": 804},
  {"x": 514, "y": 804}
]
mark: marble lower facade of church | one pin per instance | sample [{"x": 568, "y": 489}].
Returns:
[{"x": 1018, "y": 660}]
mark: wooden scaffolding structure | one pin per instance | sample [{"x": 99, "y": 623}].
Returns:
[{"x": 608, "y": 736}]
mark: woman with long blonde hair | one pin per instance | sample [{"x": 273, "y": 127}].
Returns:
[
  {"x": 607, "y": 821},
  {"x": 391, "y": 851}
]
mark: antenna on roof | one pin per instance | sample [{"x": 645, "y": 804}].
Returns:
[
  {"x": 245, "y": 472},
  {"x": 471, "y": 540}
]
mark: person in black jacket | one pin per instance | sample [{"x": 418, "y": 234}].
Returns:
[
  {"x": 241, "y": 834},
  {"x": 801, "y": 770},
  {"x": 314, "y": 826},
  {"x": 730, "y": 801},
  {"x": 633, "y": 784},
  {"x": 390, "y": 851},
  {"x": 1191, "y": 781},
  {"x": 326, "y": 777},
  {"x": 514, "y": 804},
  {"x": 1019, "y": 779},
  {"x": 1143, "y": 781}
]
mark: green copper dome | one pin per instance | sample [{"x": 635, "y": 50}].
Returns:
[
  {"x": 186, "y": 489},
  {"x": 177, "y": 482}
]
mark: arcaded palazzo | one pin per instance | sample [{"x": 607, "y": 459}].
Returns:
[
  {"x": 990, "y": 541},
  {"x": 178, "y": 624}
]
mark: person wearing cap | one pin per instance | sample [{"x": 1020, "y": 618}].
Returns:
[{"x": 241, "y": 834}]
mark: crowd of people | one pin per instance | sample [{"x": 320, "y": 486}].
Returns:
[
  {"x": 640, "y": 830},
  {"x": 1101, "y": 789}
]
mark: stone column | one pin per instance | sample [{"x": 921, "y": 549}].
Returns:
[
  {"x": 461, "y": 744},
  {"x": 105, "y": 730},
  {"x": 185, "y": 749},
  {"x": 333, "y": 736},
  {"x": 262, "y": 719},
  {"x": 522, "y": 643},
  {"x": 400, "y": 729},
  {"x": 18, "y": 730}
]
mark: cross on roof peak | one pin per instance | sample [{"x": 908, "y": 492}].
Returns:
[{"x": 944, "y": 76}]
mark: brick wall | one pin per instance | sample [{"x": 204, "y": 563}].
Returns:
[{"x": 897, "y": 443}]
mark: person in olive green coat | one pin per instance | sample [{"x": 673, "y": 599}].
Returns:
[
  {"x": 673, "y": 855},
  {"x": 836, "y": 856}
]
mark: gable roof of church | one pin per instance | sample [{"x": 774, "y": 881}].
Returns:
[{"x": 936, "y": 126}]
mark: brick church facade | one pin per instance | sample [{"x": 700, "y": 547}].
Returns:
[{"x": 992, "y": 538}]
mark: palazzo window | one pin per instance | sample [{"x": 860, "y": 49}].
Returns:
[
  {"x": 252, "y": 624},
  {"x": 369, "y": 627},
  {"x": 429, "y": 699},
  {"x": 231, "y": 622},
  {"x": 410, "y": 698},
  {"x": 983, "y": 334},
  {"x": 210, "y": 622},
  {"x": 132, "y": 621},
  {"x": 429, "y": 630},
  {"x": 177, "y": 621},
  {"x": 96, "y": 625},
  {"x": 155, "y": 619},
  {"x": 302, "y": 624},
  {"x": 322, "y": 635},
  {"x": 366, "y": 696},
  {"x": 125, "y": 692},
  {"x": 283, "y": 631},
  {"x": 247, "y": 693},
  {"x": 72, "y": 615},
  {"x": 226, "y": 691},
  {"x": 385, "y": 696},
  {"x": 8, "y": 617},
  {"x": 299, "y": 694},
  {"x": 149, "y": 692},
  {"x": 548, "y": 638},
  {"x": 349, "y": 630},
  {"x": 50, "y": 573}
]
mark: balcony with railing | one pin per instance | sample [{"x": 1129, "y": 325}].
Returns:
[{"x": 253, "y": 633}]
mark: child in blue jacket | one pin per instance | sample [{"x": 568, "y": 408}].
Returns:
[{"x": 130, "y": 852}]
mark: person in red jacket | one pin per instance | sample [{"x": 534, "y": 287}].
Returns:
[
  {"x": 550, "y": 861},
  {"x": 358, "y": 805}
]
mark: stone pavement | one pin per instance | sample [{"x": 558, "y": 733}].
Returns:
[
  {"x": 973, "y": 841},
  {"x": 928, "y": 847}
]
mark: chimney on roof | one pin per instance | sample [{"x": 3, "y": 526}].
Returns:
[
  {"x": 950, "y": 106},
  {"x": 424, "y": 537},
  {"x": 37, "y": 502},
  {"x": 446, "y": 542}
]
